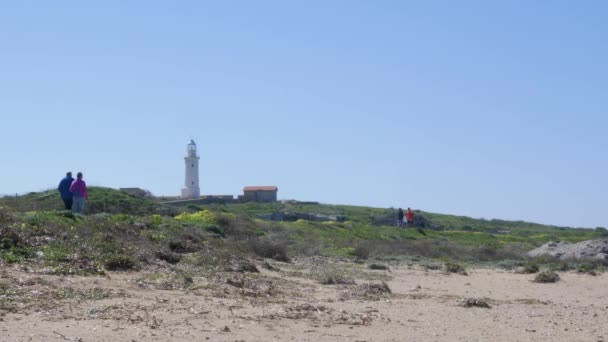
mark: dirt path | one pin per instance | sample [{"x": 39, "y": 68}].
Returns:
[{"x": 290, "y": 305}]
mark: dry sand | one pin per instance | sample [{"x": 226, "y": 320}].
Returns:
[{"x": 290, "y": 306}]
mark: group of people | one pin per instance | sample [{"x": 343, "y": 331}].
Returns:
[
  {"x": 405, "y": 219},
  {"x": 73, "y": 192}
]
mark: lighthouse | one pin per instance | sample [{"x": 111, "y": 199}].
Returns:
[{"x": 192, "y": 189}]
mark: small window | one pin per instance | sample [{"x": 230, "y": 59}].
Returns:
[
  {"x": 192, "y": 165},
  {"x": 192, "y": 183}
]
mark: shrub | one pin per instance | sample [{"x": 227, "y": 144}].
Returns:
[
  {"x": 334, "y": 276},
  {"x": 168, "y": 256},
  {"x": 587, "y": 267},
  {"x": 10, "y": 237},
  {"x": 120, "y": 263},
  {"x": 236, "y": 226},
  {"x": 528, "y": 268},
  {"x": 5, "y": 214},
  {"x": 57, "y": 253},
  {"x": 434, "y": 266},
  {"x": 182, "y": 246},
  {"x": 203, "y": 216},
  {"x": 215, "y": 230},
  {"x": 188, "y": 241},
  {"x": 17, "y": 254},
  {"x": 508, "y": 264},
  {"x": 430, "y": 248},
  {"x": 268, "y": 248},
  {"x": 378, "y": 267},
  {"x": 361, "y": 252},
  {"x": 560, "y": 266},
  {"x": 452, "y": 267},
  {"x": 369, "y": 291},
  {"x": 546, "y": 277}
]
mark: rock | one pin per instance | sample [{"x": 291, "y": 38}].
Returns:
[{"x": 590, "y": 249}]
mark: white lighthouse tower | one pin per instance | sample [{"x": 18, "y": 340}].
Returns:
[{"x": 192, "y": 189}]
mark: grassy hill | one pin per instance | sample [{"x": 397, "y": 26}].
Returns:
[
  {"x": 100, "y": 200},
  {"x": 123, "y": 231}
]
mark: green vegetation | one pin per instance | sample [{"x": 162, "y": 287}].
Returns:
[{"x": 123, "y": 232}]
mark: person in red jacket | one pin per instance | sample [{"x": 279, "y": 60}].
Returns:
[
  {"x": 79, "y": 192},
  {"x": 409, "y": 215}
]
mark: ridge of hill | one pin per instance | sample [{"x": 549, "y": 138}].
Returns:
[
  {"x": 101, "y": 199},
  {"x": 114, "y": 201}
]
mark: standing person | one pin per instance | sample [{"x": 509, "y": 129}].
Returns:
[
  {"x": 410, "y": 217},
  {"x": 79, "y": 191},
  {"x": 64, "y": 190},
  {"x": 400, "y": 218}
]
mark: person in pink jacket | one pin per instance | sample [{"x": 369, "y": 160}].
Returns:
[{"x": 79, "y": 193}]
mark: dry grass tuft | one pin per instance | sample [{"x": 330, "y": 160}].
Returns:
[
  {"x": 474, "y": 302},
  {"x": 368, "y": 291}
]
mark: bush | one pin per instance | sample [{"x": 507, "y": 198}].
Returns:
[
  {"x": 203, "y": 216},
  {"x": 267, "y": 248},
  {"x": 562, "y": 266},
  {"x": 587, "y": 267},
  {"x": 215, "y": 230},
  {"x": 433, "y": 266},
  {"x": 508, "y": 264},
  {"x": 182, "y": 246},
  {"x": 378, "y": 267},
  {"x": 546, "y": 277},
  {"x": 433, "y": 249},
  {"x": 527, "y": 268},
  {"x": 188, "y": 241},
  {"x": 335, "y": 278},
  {"x": 370, "y": 291},
  {"x": 17, "y": 254},
  {"x": 452, "y": 267},
  {"x": 170, "y": 257},
  {"x": 361, "y": 252},
  {"x": 10, "y": 237},
  {"x": 120, "y": 263},
  {"x": 240, "y": 227}
]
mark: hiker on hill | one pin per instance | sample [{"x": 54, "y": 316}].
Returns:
[
  {"x": 79, "y": 193},
  {"x": 400, "y": 216},
  {"x": 410, "y": 218},
  {"x": 64, "y": 190}
]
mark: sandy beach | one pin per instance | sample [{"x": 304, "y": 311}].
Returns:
[{"x": 290, "y": 305}]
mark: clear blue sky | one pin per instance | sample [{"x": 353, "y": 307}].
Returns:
[{"x": 494, "y": 109}]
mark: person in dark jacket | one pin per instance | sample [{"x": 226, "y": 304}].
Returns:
[
  {"x": 400, "y": 218},
  {"x": 64, "y": 190}
]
